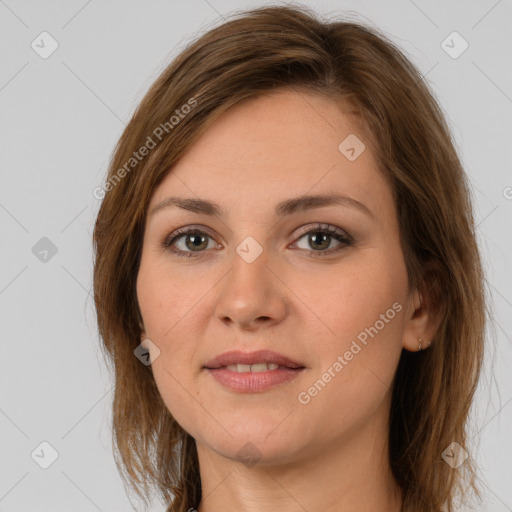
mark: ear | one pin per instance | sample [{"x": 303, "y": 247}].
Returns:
[{"x": 422, "y": 322}]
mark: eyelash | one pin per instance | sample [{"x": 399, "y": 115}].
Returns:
[{"x": 336, "y": 233}]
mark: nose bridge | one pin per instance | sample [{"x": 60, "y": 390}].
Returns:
[{"x": 250, "y": 293}]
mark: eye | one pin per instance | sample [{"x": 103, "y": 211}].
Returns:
[
  {"x": 320, "y": 236},
  {"x": 194, "y": 240}
]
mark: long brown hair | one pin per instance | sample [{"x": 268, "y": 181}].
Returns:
[{"x": 253, "y": 53}]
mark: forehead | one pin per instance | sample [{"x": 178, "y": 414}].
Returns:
[{"x": 275, "y": 146}]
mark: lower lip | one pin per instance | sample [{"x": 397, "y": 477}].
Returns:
[{"x": 253, "y": 382}]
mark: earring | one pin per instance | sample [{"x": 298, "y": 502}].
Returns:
[{"x": 421, "y": 343}]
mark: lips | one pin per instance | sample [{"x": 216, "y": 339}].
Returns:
[
  {"x": 252, "y": 358},
  {"x": 253, "y": 372}
]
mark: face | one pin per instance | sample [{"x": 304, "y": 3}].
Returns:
[{"x": 323, "y": 286}]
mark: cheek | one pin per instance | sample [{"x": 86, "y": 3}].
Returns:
[
  {"x": 361, "y": 305},
  {"x": 351, "y": 296},
  {"x": 168, "y": 299},
  {"x": 166, "y": 313},
  {"x": 356, "y": 371}
]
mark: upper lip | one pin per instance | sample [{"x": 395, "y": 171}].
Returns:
[{"x": 259, "y": 356}]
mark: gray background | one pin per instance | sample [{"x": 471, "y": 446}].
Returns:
[{"x": 61, "y": 117}]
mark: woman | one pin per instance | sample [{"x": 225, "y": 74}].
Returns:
[{"x": 287, "y": 280}]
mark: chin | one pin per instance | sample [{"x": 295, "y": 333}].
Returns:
[
  {"x": 262, "y": 446},
  {"x": 257, "y": 452}
]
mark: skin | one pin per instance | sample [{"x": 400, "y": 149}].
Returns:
[{"x": 330, "y": 454}]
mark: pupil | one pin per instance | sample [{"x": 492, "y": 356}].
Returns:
[
  {"x": 321, "y": 239},
  {"x": 197, "y": 240}
]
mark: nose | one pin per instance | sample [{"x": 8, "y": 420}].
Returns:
[{"x": 252, "y": 295}]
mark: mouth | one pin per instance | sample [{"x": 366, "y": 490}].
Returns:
[
  {"x": 258, "y": 361},
  {"x": 253, "y": 372}
]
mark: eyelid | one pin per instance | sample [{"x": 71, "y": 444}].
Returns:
[
  {"x": 322, "y": 226},
  {"x": 187, "y": 230}
]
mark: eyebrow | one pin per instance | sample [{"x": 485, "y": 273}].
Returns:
[{"x": 284, "y": 208}]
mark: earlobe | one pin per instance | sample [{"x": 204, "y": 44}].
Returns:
[
  {"x": 416, "y": 344},
  {"x": 423, "y": 344}
]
